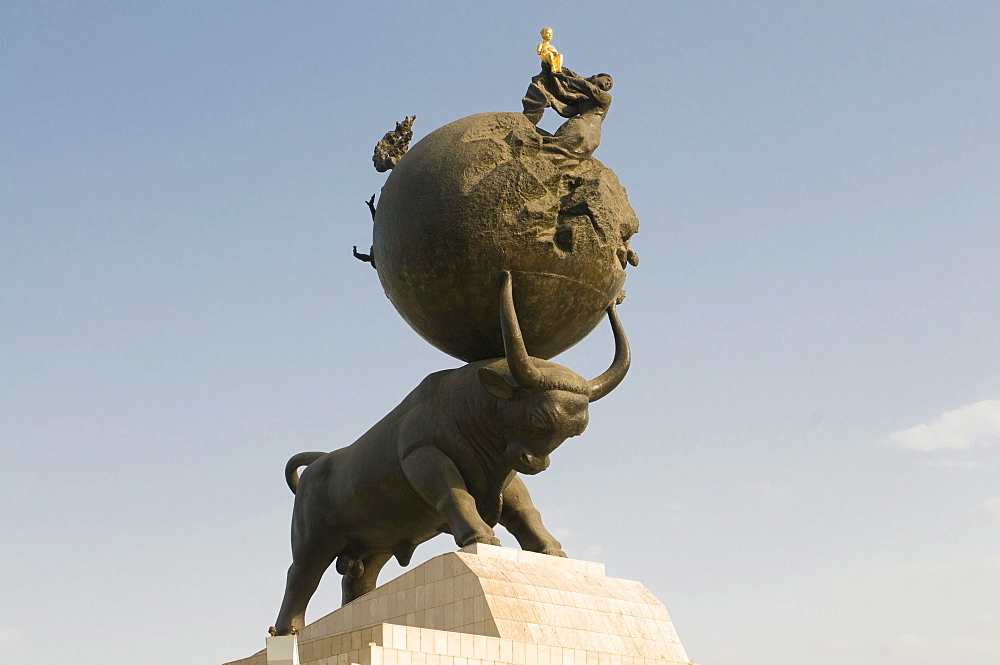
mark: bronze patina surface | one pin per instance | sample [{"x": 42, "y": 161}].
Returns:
[
  {"x": 446, "y": 460},
  {"x": 491, "y": 192},
  {"x": 502, "y": 245}
]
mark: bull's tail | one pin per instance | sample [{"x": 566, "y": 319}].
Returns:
[{"x": 296, "y": 463}]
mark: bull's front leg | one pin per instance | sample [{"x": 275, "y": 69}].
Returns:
[
  {"x": 437, "y": 480},
  {"x": 522, "y": 519}
]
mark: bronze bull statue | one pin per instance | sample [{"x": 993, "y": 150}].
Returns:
[{"x": 444, "y": 461}]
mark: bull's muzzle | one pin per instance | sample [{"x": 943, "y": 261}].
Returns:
[{"x": 524, "y": 461}]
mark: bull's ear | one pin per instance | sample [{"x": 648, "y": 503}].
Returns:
[{"x": 496, "y": 383}]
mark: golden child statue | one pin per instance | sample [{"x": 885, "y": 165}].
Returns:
[{"x": 548, "y": 52}]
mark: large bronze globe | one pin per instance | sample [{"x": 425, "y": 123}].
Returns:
[{"x": 486, "y": 194}]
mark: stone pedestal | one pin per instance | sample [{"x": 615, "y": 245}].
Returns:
[
  {"x": 486, "y": 605},
  {"x": 283, "y": 650}
]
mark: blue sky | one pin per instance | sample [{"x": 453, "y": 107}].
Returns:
[{"x": 803, "y": 463}]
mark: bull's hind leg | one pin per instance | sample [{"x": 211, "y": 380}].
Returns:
[
  {"x": 522, "y": 519},
  {"x": 353, "y": 586},
  {"x": 303, "y": 577}
]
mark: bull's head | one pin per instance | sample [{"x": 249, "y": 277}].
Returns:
[{"x": 543, "y": 403}]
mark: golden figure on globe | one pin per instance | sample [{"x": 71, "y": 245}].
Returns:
[{"x": 548, "y": 52}]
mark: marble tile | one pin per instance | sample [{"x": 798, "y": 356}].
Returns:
[
  {"x": 496, "y": 606},
  {"x": 493, "y": 649},
  {"x": 441, "y": 642}
]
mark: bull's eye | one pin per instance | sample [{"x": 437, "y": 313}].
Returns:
[{"x": 536, "y": 421}]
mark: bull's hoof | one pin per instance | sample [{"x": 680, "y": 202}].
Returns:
[
  {"x": 486, "y": 540},
  {"x": 555, "y": 552}
]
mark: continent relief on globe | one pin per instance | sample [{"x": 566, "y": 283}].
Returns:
[{"x": 485, "y": 194}]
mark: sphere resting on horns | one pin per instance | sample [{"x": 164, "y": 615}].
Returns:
[{"x": 482, "y": 195}]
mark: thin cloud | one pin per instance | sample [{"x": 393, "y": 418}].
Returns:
[
  {"x": 954, "y": 463},
  {"x": 938, "y": 648},
  {"x": 973, "y": 425},
  {"x": 990, "y": 509},
  {"x": 768, "y": 489},
  {"x": 9, "y": 635}
]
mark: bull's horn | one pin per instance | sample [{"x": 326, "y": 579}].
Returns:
[
  {"x": 608, "y": 381},
  {"x": 524, "y": 371}
]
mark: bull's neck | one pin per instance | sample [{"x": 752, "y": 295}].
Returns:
[{"x": 476, "y": 415}]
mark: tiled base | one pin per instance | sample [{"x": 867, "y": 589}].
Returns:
[
  {"x": 283, "y": 650},
  {"x": 486, "y": 605}
]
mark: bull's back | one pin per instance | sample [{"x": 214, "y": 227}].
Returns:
[{"x": 360, "y": 491}]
